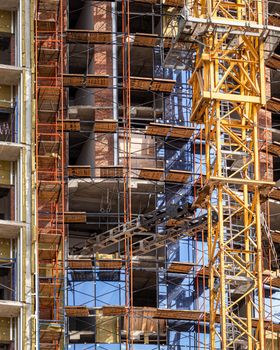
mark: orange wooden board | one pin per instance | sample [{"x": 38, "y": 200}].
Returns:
[{"x": 79, "y": 171}]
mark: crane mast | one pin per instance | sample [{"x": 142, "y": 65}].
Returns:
[{"x": 228, "y": 84}]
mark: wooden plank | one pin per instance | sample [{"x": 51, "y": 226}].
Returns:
[
  {"x": 88, "y": 36},
  {"x": 273, "y": 61},
  {"x": 111, "y": 171},
  {"x": 50, "y": 334},
  {"x": 113, "y": 310},
  {"x": 76, "y": 311},
  {"x": 46, "y": 55},
  {"x": 275, "y": 236},
  {"x": 46, "y": 25},
  {"x": 137, "y": 83},
  {"x": 273, "y": 105},
  {"x": 46, "y": 162},
  {"x": 105, "y": 126},
  {"x": 48, "y": 99},
  {"x": 276, "y": 282},
  {"x": 169, "y": 130},
  {"x": 177, "y": 176},
  {"x": 48, "y": 5},
  {"x": 49, "y": 289},
  {"x": 79, "y": 171},
  {"x": 69, "y": 125},
  {"x": 112, "y": 264},
  {"x": 46, "y": 70},
  {"x": 148, "y": 1},
  {"x": 274, "y": 194},
  {"x": 51, "y": 238},
  {"x": 274, "y": 20},
  {"x": 146, "y": 40},
  {"x": 80, "y": 264},
  {"x": 151, "y": 174},
  {"x": 75, "y": 217},
  {"x": 178, "y": 314},
  {"x": 162, "y": 85},
  {"x": 179, "y": 267},
  {"x": 88, "y": 81},
  {"x": 273, "y": 149},
  {"x": 49, "y": 191},
  {"x": 174, "y": 3},
  {"x": 47, "y": 148},
  {"x": 47, "y": 254}
]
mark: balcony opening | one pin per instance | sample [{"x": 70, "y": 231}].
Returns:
[
  {"x": 7, "y": 280},
  {"x": 7, "y": 49},
  {"x": 6, "y": 203},
  {"x": 7, "y": 126}
]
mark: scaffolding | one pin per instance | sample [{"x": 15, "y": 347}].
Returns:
[
  {"x": 50, "y": 181},
  {"x": 155, "y": 155}
]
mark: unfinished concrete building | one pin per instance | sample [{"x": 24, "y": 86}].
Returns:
[{"x": 139, "y": 174}]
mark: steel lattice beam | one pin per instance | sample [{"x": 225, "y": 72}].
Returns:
[{"x": 228, "y": 89}]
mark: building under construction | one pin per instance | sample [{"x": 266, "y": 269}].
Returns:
[{"x": 140, "y": 174}]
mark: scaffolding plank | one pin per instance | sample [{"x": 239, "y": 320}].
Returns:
[
  {"x": 273, "y": 149},
  {"x": 50, "y": 334},
  {"x": 46, "y": 162},
  {"x": 174, "y": 3},
  {"x": 48, "y": 5},
  {"x": 46, "y": 55},
  {"x": 274, "y": 20},
  {"x": 137, "y": 83},
  {"x": 76, "y": 311},
  {"x": 89, "y": 81},
  {"x": 49, "y": 191},
  {"x": 275, "y": 194},
  {"x": 111, "y": 171},
  {"x": 75, "y": 217},
  {"x": 109, "y": 264},
  {"x": 79, "y": 170},
  {"x": 51, "y": 238},
  {"x": 47, "y": 253},
  {"x": 177, "y": 176},
  {"x": 47, "y": 147},
  {"x": 49, "y": 289},
  {"x": 275, "y": 282},
  {"x": 88, "y": 36},
  {"x": 80, "y": 264},
  {"x": 46, "y": 70},
  {"x": 48, "y": 99},
  {"x": 105, "y": 126},
  {"x": 151, "y": 174},
  {"x": 179, "y": 267},
  {"x": 146, "y": 40},
  {"x": 113, "y": 310},
  {"x": 46, "y": 25},
  {"x": 148, "y": 1},
  {"x": 273, "y": 61},
  {"x": 194, "y": 315},
  {"x": 275, "y": 236},
  {"x": 169, "y": 130},
  {"x": 162, "y": 85},
  {"x": 273, "y": 105},
  {"x": 69, "y": 125}
]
